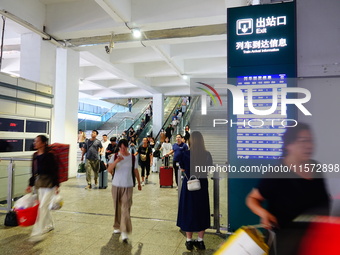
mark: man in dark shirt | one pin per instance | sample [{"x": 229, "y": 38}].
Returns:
[
  {"x": 92, "y": 148},
  {"x": 112, "y": 148},
  {"x": 168, "y": 131},
  {"x": 177, "y": 149}
]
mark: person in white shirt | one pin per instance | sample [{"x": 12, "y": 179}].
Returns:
[
  {"x": 166, "y": 148},
  {"x": 105, "y": 143},
  {"x": 124, "y": 168}
]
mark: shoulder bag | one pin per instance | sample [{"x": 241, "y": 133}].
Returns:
[{"x": 193, "y": 183}]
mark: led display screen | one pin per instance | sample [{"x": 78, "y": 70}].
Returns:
[
  {"x": 11, "y": 125},
  {"x": 258, "y": 136}
]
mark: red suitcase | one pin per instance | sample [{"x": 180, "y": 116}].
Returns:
[{"x": 165, "y": 176}]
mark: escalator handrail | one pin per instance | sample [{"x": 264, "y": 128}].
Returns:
[{"x": 167, "y": 122}]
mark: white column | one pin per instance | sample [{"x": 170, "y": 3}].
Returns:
[
  {"x": 158, "y": 113},
  {"x": 37, "y": 59},
  {"x": 65, "y": 115}
]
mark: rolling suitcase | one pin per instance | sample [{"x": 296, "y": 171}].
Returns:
[
  {"x": 166, "y": 176},
  {"x": 103, "y": 179}
]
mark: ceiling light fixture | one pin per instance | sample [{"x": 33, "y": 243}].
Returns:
[
  {"x": 136, "y": 32},
  {"x": 185, "y": 77}
]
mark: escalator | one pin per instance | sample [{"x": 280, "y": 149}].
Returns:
[{"x": 170, "y": 105}]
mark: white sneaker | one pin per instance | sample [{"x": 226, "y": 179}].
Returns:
[
  {"x": 125, "y": 237},
  {"x": 146, "y": 181},
  {"x": 48, "y": 229},
  {"x": 36, "y": 238},
  {"x": 116, "y": 231},
  {"x": 143, "y": 183}
]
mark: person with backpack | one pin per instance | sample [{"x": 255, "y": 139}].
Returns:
[
  {"x": 124, "y": 169},
  {"x": 45, "y": 180}
]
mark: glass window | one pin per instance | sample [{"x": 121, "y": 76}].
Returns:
[
  {"x": 33, "y": 126},
  {"x": 11, "y": 145},
  {"x": 29, "y": 145}
]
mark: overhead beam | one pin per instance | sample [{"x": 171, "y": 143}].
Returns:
[
  {"x": 119, "y": 10},
  {"x": 185, "y": 32},
  {"x": 122, "y": 74}
]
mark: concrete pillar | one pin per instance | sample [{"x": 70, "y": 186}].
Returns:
[
  {"x": 65, "y": 115},
  {"x": 158, "y": 113}
]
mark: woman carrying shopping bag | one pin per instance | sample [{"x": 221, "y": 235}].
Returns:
[
  {"x": 45, "y": 180},
  {"x": 193, "y": 208}
]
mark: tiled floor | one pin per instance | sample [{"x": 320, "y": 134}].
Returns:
[{"x": 84, "y": 225}]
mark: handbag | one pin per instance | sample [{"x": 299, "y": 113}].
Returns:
[
  {"x": 193, "y": 183},
  {"x": 143, "y": 156},
  {"x": 81, "y": 168},
  {"x": 11, "y": 219}
]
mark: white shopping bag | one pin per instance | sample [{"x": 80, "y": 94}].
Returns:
[
  {"x": 29, "y": 200},
  {"x": 56, "y": 203}
]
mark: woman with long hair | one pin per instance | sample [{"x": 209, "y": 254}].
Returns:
[
  {"x": 45, "y": 180},
  {"x": 193, "y": 210}
]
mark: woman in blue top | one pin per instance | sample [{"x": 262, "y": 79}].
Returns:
[{"x": 193, "y": 209}]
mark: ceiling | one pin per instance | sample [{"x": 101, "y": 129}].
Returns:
[{"x": 181, "y": 40}]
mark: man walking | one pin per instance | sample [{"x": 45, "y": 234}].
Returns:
[
  {"x": 105, "y": 143},
  {"x": 177, "y": 149},
  {"x": 92, "y": 148},
  {"x": 111, "y": 148}
]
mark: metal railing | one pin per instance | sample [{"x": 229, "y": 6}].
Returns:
[
  {"x": 148, "y": 127},
  {"x": 123, "y": 126},
  {"x": 10, "y": 180},
  {"x": 185, "y": 120},
  {"x": 104, "y": 117}
]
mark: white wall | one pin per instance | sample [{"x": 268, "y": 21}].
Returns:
[{"x": 318, "y": 52}]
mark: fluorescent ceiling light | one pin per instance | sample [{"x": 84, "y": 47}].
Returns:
[{"x": 136, "y": 32}]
